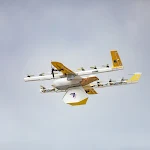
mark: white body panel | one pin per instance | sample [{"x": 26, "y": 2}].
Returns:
[{"x": 63, "y": 83}]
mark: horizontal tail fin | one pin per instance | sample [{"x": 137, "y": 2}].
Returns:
[
  {"x": 117, "y": 63},
  {"x": 135, "y": 77}
]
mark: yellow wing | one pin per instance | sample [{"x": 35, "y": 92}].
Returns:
[
  {"x": 62, "y": 68},
  {"x": 89, "y": 90},
  {"x": 135, "y": 77},
  {"x": 88, "y": 80}
]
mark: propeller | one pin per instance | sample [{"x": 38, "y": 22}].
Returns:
[
  {"x": 107, "y": 65},
  {"x": 42, "y": 87},
  {"x": 81, "y": 69},
  {"x": 41, "y": 74},
  {"x": 53, "y": 69},
  {"x": 29, "y": 75},
  {"x": 110, "y": 80},
  {"x": 98, "y": 83},
  {"x": 94, "y": 67},
  {"x": 123, "y": 79}
]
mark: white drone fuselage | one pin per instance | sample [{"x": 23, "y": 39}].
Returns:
[{"x": 63, "y": 83}]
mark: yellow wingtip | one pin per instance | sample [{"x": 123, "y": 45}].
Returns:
[{"x": 135, "y": 77}]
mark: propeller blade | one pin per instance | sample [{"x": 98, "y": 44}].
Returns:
[
  {"x": 106, "y": 65},
  {"x": 29, "y": 75},
  {"x": 52, "y": 70},
  {"x": 123, "y": 79},
  {"x": 41, "y": 74},
  {"x": 81, "y": 69},
  {"x": 98, "y": 81},
  {"x": 93, "y": 67},
  {"x": 42, "y": 87}
]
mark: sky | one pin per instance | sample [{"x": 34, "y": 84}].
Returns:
[{"x": 77, "y": 33}]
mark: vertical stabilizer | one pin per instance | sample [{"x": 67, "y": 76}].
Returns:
[{"x": 117, "y": 63}]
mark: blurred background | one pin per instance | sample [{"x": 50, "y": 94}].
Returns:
[{"x": 79, "y": 34}]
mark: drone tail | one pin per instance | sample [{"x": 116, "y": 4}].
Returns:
[
  {"x": 117, "y": 63},
  {"x": 135, "y": 77}
]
